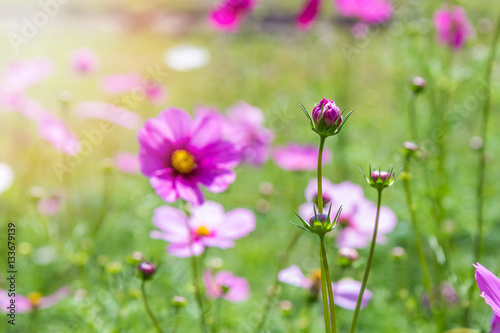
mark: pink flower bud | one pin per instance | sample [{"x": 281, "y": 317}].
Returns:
[
  {"x": 331, "y": 113},
  {"x": 146, "y": 270}
]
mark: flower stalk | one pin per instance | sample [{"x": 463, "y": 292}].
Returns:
[{"x": 148, "y": 309}]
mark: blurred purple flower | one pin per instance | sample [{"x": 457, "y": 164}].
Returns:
[
  {"x": 208, "y": 226},
  {"x": 33, "y": 301},
  {"x": 56, "y": 132},
  {"x": 228, "y": 15},
  {"x": 346, "y": 291},
  {"x": 109, "y": 112},
  {"x": 179, "y": 154},
  {"x": 452, "y": 26},
  {"x": 226, "y": 285},
  {"x": 127, "y": 162},
  {"x": 308, "y": 14},
  {"x": 51, "y": 205},
  {"x": 368, "y": 11},
  {"x": 295, "y": 157},
  {"x": 84, "y": 61},
  {"x": 489, "y": 285}
]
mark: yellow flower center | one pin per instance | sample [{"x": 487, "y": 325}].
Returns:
[
  {"x": 182, "y": 161},
  {"x": 316, "y": 276},
  {"x": 202, "y": 231},
  {"x": 35, "y": 298}
]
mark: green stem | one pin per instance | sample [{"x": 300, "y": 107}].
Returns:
[
  {"x": 217, "y": 307},
  {"x": 324, "y": 292},
  {"x": 274, "y": 289},
  {"x": 412, "y": 119},
  {"x": 148, "y": 309},
  {"x": 199, "y": 299},
  {"x": 320, "y": 176},
  {"x": 368, "y": 266},
  {"x": 331, "y": 301},
  {"x": 176, "y": 320}
]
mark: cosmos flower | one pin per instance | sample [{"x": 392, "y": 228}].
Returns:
[
  {"x": 452, "y": 26},
  {"x": 6, "y": 177},
  {"x": 228, "y": 15},
  {"x": 226, "y": 285},
  {"x": 56, "y": 132},
  {"x": 295, "y": 157},
  {"x": 34, "y": 300},
  {"x": 109, "y": 112},
  {"x": 84, "y": 61},
  {"x": 179, "y": 154},
  {"x": 208, "y": 226},
  {"x": 23, "y": 74},
  {"x": 51, "y": 205},
  {"x": 346, "y": 291},
  {"x": 489, "y": 285},
  {"x": 134, "y": 83},
  {"x": 127, "y": 163}
]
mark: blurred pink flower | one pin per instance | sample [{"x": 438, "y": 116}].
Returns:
[
  {"x": 51, "y": 205},
  {"x": 452, "y": 26},
  {"x": 346, "y": 291},
  {"x": 228, "y": 15},
  {"x": 22, "y": 74},
  {"x": 155, "y": 93},
  {"x": 369, "y": 11},
  {"x": 33, "y": 110},
  {"x": 109, "y": 112},
  {"x": 121, "y": 83},
  {"x": 179, "y": 154},
  {"x": 33, "y": 301},
  {"x": 57, "y": 133},
  {"x": 489, "y": 285},
  {"x": 208, "y": 226},
  {"x": 127, "y": 163},
  {"x": 226, "y": 285},
  {"x": 245, "y": 128},
  {"x": 295, "y": 157},
  {"x": 84, "y": 61},
  {"x": 308, "y": 14}
]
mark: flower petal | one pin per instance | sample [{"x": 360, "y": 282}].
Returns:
[
  {"x": 489, "y": 284},
  {"x": 188, "y": 190},
  {"x": 181, "y": 250},
  {"x": 294, "y": 276},
  {"x": 237, "y": 224},
  {"x": 346, "y": 294},
  {"x": 308, "y": 14}
]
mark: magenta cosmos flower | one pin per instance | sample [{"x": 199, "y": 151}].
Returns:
[
  {"x": 208, "y": 226},
  {"x": 84, "y": 61},
  {"x": 295, "y": 157},
  {"x": 228, "y": 15},
  {"x": 452, "y": 26},
  {"x": 34, "y": 300},
  {"x": 489, "y": 284},
  {"x": 226, "y": 285},
  {"x": 179, "y": 154},
  {"x": 346, "y": 291}
]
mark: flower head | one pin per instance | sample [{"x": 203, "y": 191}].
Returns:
[
  {"x": 369, "y": 11},
  {"x": 326, "y": 118},
  {"x": 179, "y": 154},
  {"x": 208, "y": 226},
  {"x": 380, "y": 179},
  {"x": 146, "y": 270},
  {"x": 295, "y": 157},
  {"x": 33, "y": 301},
  {"x": 418, "y": 84},
  {"x": 226, "y": 285},
  {"x": 308, "y": 14},
  {"x": 320, "y": 223},
  {"x": 229, "y": 14},
  {"x": 84, "y": 61},
  {"x": 452, "y": 26}
]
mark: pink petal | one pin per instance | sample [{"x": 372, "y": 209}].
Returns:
[
  {"x": 127, "y": 163},
  {"x": 51, "y": 300},
  {"x": 56, "y": 132},
  {"x": 215, "y": 241},
  {"x": 212, "y": 289},
  {"x": 216, "y": 180},
  {"x": 238, "y": 287},
  {"x": 308, "y": 14},
  {"x": 294, "y": 276},
  {"x": 112, "y": 113},
  {"x": 489, "y": 284},
  {"x": 155, "y": 148},
  {"x": 22, "y": 304},
  {"x": 346, "y": 294},
  {"x": 178, "y": 122},
  {"x": 121, "y": 83},
  {"x": 210, "y": 214},
  {"x": 352, "y": 238},
  {"x": 163, "y": 183},
  {"x": 188, "y": 190},
  {"x": 171, "y": 221},
  {"x": 296, "y": 157},
  {"x": 238, "y": 223},
  {"x": 181, "y": 250},
  {"x": 206, "y": 130},
  {"x": 84, "y": 61},
  {"x": 21, "y": 75}
]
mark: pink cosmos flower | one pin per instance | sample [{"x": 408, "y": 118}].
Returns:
[
  {"x": 155, "y": 93},
  {"x": 295, "y": 157},
  {"x": 51, "y": 205},
  {"x": 84, "y": 61},
  {"x": 228, "y": 15},
  {"x": 245, "y": 128},
  {"x": 109, "y": 112},
  {"x": 21, "y": 75},
  {"x": 33, "y": 301},
  {"x": 489, "y": 284},
  {"x": 126, "y": 83},
  {"x": 179, "y": 154},
  {"x": 127, "y": 163},
  {"x": 368, "y": 11},
  {"x": 226, "y": 285},
  {"x": 208, "y": 226},
  {"x": 56, "y": 132},
  {"x": 346, "y": 291},
  {"x": 452, "y": 26}
]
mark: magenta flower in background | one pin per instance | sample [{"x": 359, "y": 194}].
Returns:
[
  {"x": 368, "y": 11},
  {"x": 33, "y": 301},
  {"x": 489, "y": 285},
  {"x": 84, "y": 61},
  {"x": 228, "y": 15},
  {"x": 51, "y": 205},
  {"x": 179, "y": 154},
  {"x": 121, "y": 83},
  {"x": 308, "y": 14},
  {"x": 208, "y": 226},
  {"x": 155, "y": 93},
  {"x": 346, "y": 291},
  {"x": 127, "y": 163},
  {"x": 226, "y": 285},
  {"x": 109, "y": 112},
  {"x": 57, "y": 133},
  {"x": 23, "y": 74},
  {"x": 452, "y": 26},
  {"x": 295, "y": 157}
]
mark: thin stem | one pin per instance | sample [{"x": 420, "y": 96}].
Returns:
[
  {"x": 328, "y": 285},
  {"x": 412, "y": 119},
  {"x": 324, "y": 292},
  {"x": 217, "y": 311},
  {"x": 274, "y": 289},
  {"x": 420, "y": 250},
  {"x": 148, "y": 309},
  {"x": 368, "y": 266},
  {"x": 320, "y": 177},
  {"x": 176, "y": 320},
  {"x": 199, "y": 299}
]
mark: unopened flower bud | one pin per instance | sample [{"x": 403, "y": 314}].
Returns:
[
  {"x": 332, "y": 116},
  {"x": 285, "y": 307},
  {"x": 146, "y": 270},
  {"x": 418, "y": 84},
  {"x": 380, "y": 179},
  {"x": 398, "y": 253},
  {"x": 179, "y": 301},
  {"x": 321, "y": 218},
  {"x": 410, "y": 146},
  {"x": 347, "y": 256},
  {"x": 135, "y": 258}
]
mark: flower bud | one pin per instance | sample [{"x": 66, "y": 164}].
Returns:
[
  {"x": 285, "y": 307},
  {"x": 398, "y": 253},
  {"x": 146, "y": 270},
  {"x": 418, "y": 84},
  {"x": 347, "y": 256},
  {"x": 321, "y": 218},
  {"x": 379, "y": 179},
  {"x": 332, "y": 116},
  {"x": 135, "y": 258},
  {"x": 179, "y": 301}
]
